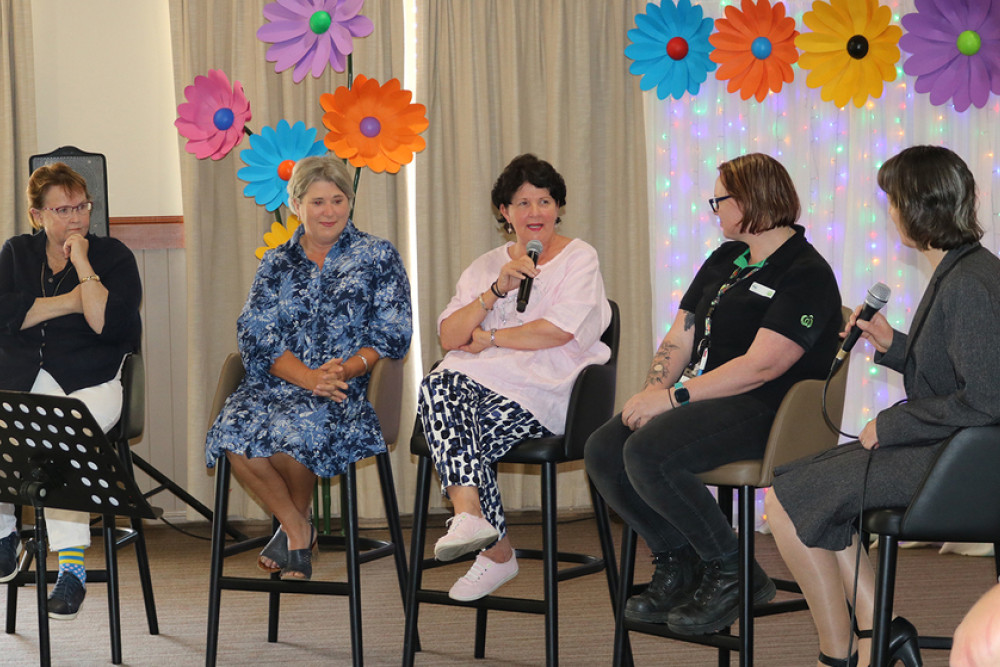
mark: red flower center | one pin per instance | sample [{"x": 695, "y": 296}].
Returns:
[
  {"x": 677, "y": 48},
  {"x": 285, "y": 169}
]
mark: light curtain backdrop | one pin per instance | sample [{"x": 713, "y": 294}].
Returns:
[
  {"x": 17, "y": 113},
  {"x": 833, "y": 156}
]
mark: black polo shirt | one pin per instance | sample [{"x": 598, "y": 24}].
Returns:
[
  {"x": 794, "y": 294},
  {"x": 65, "y": 346}
]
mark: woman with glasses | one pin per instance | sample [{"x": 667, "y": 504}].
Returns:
[
  {"x": 762, "y": 313},
  {"x": 69, "y": 313}
]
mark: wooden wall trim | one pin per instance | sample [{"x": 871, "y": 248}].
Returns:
[{"x": 152, "y": 232}]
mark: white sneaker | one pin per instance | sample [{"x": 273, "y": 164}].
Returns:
[
  {"x": 484, "y": 577},
  {"x": 465, "y": 533}
]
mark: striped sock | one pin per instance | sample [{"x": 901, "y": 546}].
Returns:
[{"x": 71, "y": 560}]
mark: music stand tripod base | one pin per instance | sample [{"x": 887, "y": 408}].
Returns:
[{"x": 53, "y": 454}]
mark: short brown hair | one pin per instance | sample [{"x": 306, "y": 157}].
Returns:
[
  {"x": 935, "y": 195},
  {"x": 57, "y": 174},
  {"x": 764, "y": 191}
]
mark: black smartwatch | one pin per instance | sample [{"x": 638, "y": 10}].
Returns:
[{"x": 681, "y": 394}]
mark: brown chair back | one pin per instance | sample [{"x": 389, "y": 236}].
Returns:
[
  {"x": 385, "y": 391},
  {"x": 799, "y": 430}
]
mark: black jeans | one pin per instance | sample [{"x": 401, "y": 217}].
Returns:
[{"x": 650, "y": 477}]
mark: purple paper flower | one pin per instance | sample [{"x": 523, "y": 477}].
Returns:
[
  {"x": 955, "y": 47},
  {"x": 310, "y": 34}
]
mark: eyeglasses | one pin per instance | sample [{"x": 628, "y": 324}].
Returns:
[
  {"x": 65, "y": 212},
  {"x": 715, "y": 201}
]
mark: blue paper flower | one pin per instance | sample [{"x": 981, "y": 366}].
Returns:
[
  {"x": 270, "y": 159},
  {"x": 670, "y": 48}
]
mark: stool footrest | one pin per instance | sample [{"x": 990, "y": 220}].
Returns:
[{"x": 495, "y": 602}]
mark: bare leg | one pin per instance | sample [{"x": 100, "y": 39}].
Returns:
[
  {"x": 466, "y": 499},
  {"x": 819, "y": 575},
  {"x": 280, "y": 487}
]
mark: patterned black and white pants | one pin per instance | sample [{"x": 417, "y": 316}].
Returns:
[{"x": 468, "y": 429}]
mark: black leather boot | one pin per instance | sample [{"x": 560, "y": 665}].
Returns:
[
  {"x": 673, "y": 581},
  {"x": 716, "y": 602}
]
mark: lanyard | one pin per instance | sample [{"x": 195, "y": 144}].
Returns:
[{"x": 704, "y": 344}]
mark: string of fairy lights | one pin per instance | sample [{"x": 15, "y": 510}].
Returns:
[{"x": 833, "y": 155}]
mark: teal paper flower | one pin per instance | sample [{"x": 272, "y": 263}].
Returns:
[
  {"x": 270, "y": 159},
  {"x": 670, "y": 48}
]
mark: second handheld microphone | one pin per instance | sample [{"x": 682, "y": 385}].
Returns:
[
  {"x": 878, "y": 296},
  {"x": 534, "y": 248}
]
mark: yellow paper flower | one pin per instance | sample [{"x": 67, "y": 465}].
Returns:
[
  {"x": 374, "y": 125},
  {"x": 278, "y": 235},
  {"x": 851, "y": 50}
]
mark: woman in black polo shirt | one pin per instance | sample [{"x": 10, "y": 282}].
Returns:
[{"x": 762, "y": 313}]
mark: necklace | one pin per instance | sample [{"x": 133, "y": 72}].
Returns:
[{"x": 41, "y": 277}]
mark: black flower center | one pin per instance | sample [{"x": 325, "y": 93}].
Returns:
[{"x": 857, "y": 47}]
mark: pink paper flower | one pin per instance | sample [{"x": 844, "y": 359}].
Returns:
[
  {"x": 214, "y": 115},
  {"x": 309, "y": 34},
  {"x": 955, "y": 47}
]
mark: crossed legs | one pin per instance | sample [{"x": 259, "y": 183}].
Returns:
[{"x": 285, "y": 486}]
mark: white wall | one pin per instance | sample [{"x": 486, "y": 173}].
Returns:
[{"x": 104, "y": 83}]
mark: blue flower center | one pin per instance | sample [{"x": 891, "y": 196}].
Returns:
[
  {"x": 761, "y": 48},
  {"x": 319, "y": 22},
  {"x": 223, "y": 118},
  {"x": 370, "y": 127}
]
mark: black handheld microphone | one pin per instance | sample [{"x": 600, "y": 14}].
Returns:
[
  {"x": 524, "y": 291},
  {"x": 878, "y": 296}
]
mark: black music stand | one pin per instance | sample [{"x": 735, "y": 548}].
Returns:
[{"x": 53, "y": 454}]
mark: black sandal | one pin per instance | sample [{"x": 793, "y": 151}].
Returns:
[
  {"x": 276, "y": 550},
  {"x": 300, "y": 561},
  {"x": 839, "y": 662}
]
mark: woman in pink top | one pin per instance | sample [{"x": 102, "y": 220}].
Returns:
[{"x": 508, "y": 374}]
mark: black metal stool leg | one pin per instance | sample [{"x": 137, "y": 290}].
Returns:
[
  {"x": 885, "y": 580},
  {"x": 417, "y": 541},
  {"x": 392, "y": 517},
  {"x": 215, "y": 567},
  {"x": 747, "y": 518},
  {"x": 624, "y": 591},
  {"x": 114, "y": 604},
  {"x": 551, "y": 563},
  {"x": 273, "y": 598},
  {"x": 349, "y": 505}
]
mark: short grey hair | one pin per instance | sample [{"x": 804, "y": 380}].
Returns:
[{"x": 327, "y": 168}]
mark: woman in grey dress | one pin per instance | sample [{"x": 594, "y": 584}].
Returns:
[{"x": 949, "y": 360}]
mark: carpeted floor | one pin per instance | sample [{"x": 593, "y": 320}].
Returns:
[{"x": 933, "y": 591}]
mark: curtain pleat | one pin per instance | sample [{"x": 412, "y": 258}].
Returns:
[{"x": 18, "y": 138}]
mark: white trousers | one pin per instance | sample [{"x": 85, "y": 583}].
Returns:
[{"x": 67, "y": 528}]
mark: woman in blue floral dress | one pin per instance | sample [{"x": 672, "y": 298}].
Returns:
[{"x": 323, "y": 308}]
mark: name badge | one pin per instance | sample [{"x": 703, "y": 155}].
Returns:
[{"x": 762, "y": 290}]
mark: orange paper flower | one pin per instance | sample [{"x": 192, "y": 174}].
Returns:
[
  {"x": 278, "y": 235},
  {"x": 755, "y": 48},
  {"x": 374, "y": 125}
]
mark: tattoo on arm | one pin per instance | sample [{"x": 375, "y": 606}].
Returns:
[
  {"x": 688, "y": 321},
  {"x": 661, "y": 363}
]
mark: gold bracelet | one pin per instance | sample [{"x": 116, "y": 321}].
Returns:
[
  {"x": 363, "y": 360},
  {"x": 483, "y": 303},
  {"x": 493, "y": 337},
  {"x": 92, "y": 277}
]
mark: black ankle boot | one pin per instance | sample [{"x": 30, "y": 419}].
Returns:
[
  {"x": 673, "y": 580},
  {"x": 716, "y": 602}
]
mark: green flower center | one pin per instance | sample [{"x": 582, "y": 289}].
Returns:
[
  {"x": 320, "y": 22},
  {"x": 969, "y": 42}
]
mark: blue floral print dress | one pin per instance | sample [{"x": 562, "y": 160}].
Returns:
[{"x": 359, "y": 298}]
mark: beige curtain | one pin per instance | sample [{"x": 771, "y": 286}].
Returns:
[
  {"x": 504, "y": 77},
  {"x": 18, "y": 140},
  {"x": 222, "y": 227}
]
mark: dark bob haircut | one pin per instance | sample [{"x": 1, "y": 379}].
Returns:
[
  {"x": 523, "y": 169},
  {"x": 763, "y": 190},
  {"x": 935, "y": 195}
]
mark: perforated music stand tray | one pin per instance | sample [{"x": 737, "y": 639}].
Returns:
[{"x": 53, "y": 454}]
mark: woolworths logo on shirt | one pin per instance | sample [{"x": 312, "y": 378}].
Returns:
[{"x": 807, "y": 321}]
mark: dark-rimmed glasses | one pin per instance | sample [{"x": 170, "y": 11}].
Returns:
[
  {"x": 715, "y": 201},
  {"x": 64, "y": 212}
]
